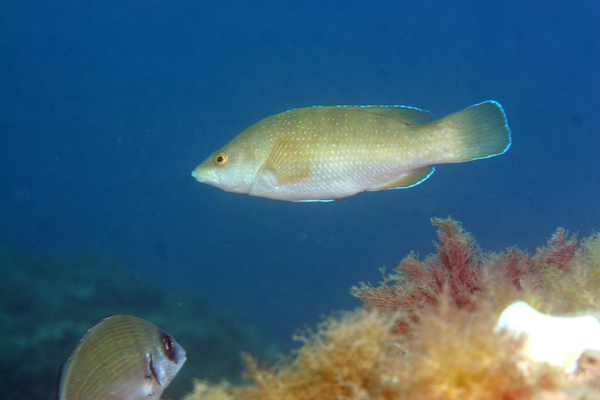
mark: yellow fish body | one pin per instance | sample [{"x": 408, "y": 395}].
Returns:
[
  {"x": 327, "y": 153},
  {"x": 121, "y": 357}
]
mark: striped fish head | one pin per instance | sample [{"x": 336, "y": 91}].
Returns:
[
  {"x": 121, "y": 357},
  {"x": 165, "y": 358}
]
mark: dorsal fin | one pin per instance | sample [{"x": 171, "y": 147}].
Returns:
[{"x": 409, "y": 115}]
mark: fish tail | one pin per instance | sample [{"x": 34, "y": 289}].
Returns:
[{"x": 480, "y": 131}]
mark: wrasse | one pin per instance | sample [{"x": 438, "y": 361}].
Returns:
[
  {"x": 121, "y": 357},
  {"x": 327, "y": 153}
]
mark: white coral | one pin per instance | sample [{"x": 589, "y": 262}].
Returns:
[{"x": 559, "y": 341}]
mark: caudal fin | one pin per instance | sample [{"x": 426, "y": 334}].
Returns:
[{"x": 481, "y": 131}]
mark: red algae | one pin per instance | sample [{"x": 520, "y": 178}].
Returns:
[
  {"x": 418, "y": 284},
  {"x": 428, "y": 330},
  {"x": 463, "y": 271}
]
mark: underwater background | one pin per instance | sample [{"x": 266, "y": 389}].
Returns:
[{"x": 106, "y": 108}]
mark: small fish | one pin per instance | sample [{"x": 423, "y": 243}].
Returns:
[
  {"x": 327, "y": 153},
  {"x": 122, "y": 357}
]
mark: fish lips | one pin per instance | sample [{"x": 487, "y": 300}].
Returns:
[
  {"x": 209, "y": 180},
  {"x": 238, "y": 186}
]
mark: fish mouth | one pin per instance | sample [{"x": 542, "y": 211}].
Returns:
[
  {"x": 236, "y": 186},
  {"x": 204, "y": 179}
]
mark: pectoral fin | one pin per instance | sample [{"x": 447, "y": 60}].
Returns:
[
  {"x": 408, "y": 179},
  {"x": 287, "y": 164}
]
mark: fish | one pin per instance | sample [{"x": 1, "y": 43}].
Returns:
[
  {"x": 324, "y": 153},
  {"x": 122, "y": 357}
]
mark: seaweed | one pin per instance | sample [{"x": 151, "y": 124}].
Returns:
[
  {"x": 418, "y": 284},
  {"x": 348, "y": 357},
  {"x": 460, "y": 268},
  {"x": 428, "y": 330}
]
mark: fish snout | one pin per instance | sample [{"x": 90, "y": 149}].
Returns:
[{"x": 203, "y": 178}]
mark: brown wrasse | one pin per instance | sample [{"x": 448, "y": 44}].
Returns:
[{"x": 327, "y": 153}]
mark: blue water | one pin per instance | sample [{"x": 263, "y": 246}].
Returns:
[{"x": 106, "y": 107}]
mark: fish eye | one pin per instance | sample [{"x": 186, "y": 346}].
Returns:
[
  {"x": 220, "y": 159},
  {"x": 168, "y": 344}
]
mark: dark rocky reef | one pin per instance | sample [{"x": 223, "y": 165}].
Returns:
[{"x": 48, "y": 303}]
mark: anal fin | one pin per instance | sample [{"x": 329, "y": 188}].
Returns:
[{"x": 409, "y": 179}]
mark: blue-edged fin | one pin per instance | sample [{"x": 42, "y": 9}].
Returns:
[
  {"x": 481, "y": 131},
  {"x": 287, "y": 164},
  {"x": 409, "y": 179},
  {"x": 408, "y": 115},
  {"x": 315, "y": 201}
]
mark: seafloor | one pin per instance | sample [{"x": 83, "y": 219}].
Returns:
[
  {"x": 427, "y": 331},
  {"x": 48, "y": 303}
]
